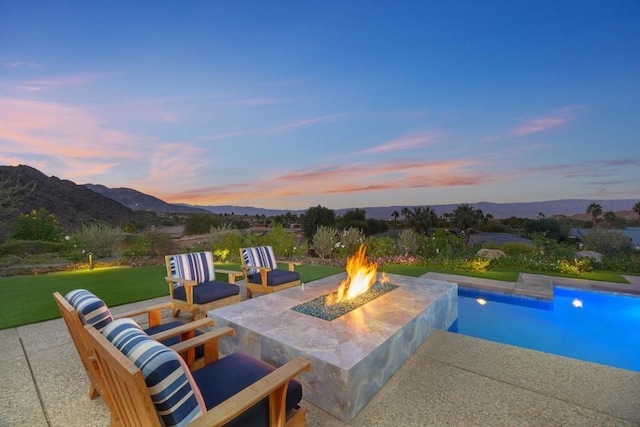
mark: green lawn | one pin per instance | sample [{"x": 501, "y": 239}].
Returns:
[{"x": 28, "y": 299}]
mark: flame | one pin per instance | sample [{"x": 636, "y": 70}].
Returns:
[{"x": 361, "y": 275}]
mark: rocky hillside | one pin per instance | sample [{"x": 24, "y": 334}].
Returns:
[
  {"x": 138, "y": 201},
  {"x": 72, "y": 204}
]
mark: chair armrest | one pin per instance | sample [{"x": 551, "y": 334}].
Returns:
[
  {"x": 180, "y": 280},
  {"x": 154, "y": 313},
  {"x": 273, "y": 385},
  {"x": 183, "y": 329},
  {"x": 291, "y": 264},
  {"x": 232, "y": 275},
  {"x": 210, "y": 343},
  {"x": 280, "y": 261},
  {"x": 255, "y": 267}
]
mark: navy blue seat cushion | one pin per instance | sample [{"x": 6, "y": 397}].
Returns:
[
  {"x": 173, "y": 340},
  {"x": 276, "y": 277},
  {"x": 233, "y": 373},
  {"x": 207, "y": 292}
]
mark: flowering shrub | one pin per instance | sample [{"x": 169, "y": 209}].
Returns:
[
  {"x": 442, "y": 243},
  {"x": 577, "y": 266},
  {"x": 381, "y": 247},
  {"x": 324, "y": 240},
  {"x": 480, "y": 265},
  {"x": 351, "y": 239}
]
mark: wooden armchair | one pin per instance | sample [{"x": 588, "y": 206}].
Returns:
[
  {"x": 193, "y": 285},
  {"x": 261, "y": 272},
  {"x": 235, "y": 390},
  {"x": 81, "y": 307}
]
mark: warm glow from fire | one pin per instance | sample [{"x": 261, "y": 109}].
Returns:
[{"x": 361, "y": 275}]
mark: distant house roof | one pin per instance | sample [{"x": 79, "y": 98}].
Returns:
[{"x": 631, "y": 232}]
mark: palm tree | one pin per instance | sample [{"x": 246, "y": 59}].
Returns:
[
  {"x": 610, "y": 217},
  {"x": 464, "y": 216},
  {"x": 406, "y": 212},
  {"x": 421, "y": 219},
  {"x": 395, "y": 216},
  {"x": 595, "y": 210},
  {"x": 636, "y": 209}
]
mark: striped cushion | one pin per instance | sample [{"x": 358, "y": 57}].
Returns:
[
  {"x": 196, "y": 266},
  {"x": 172, "y": 389},
  {"x": 91, "y": 309},
  {"x": 259, "y": 256}
]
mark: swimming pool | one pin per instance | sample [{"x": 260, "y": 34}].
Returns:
[{"x": 593, "y": 326}]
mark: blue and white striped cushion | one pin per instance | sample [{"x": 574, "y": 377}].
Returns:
[
  {"x": 196, "y": 266},
  {"x": 260, "y": 256},
  {"x": 91, "y": 309},
  {"x": 173, "y": 391}
]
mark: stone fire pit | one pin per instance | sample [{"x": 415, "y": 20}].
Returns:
[{"x": 352, "y": 356}]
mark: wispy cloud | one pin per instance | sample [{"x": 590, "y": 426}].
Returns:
[
  {"x": 538, "y": 125},
  {"x": 13, "y": 63},
  {"x": 39, "y": 85},
  {"x": 408, "y": 142},
  {"x": 307, "y": 122},
  {"x": 274, "y": 130},
  {"x": 530, "y": 126}
]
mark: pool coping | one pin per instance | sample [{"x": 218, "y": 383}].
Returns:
[{"x": 539, "y": 285}]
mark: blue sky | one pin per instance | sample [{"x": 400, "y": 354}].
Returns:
[{"x": 293, "y": 104}]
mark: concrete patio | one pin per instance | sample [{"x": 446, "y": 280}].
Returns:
[{"x": 450, "y": 380}]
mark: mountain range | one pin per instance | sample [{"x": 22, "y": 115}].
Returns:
[{"x": 74, "y": 204}]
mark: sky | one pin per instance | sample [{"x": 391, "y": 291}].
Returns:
[{"x": 294, "y": 104}]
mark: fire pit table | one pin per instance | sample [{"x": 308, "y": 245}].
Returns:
[{"x": 355, "y": 354}]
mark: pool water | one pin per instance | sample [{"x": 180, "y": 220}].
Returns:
[{"x": 592, "y": 326}]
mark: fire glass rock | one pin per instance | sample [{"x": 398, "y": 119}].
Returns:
[{"x": 316, "y": 307}]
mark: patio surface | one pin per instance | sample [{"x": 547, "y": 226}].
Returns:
[{"x": 450, "y": 380}]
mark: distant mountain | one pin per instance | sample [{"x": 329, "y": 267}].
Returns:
[
  {"x": 72, "y": 204},
  {"x": 138, "y": 201}
]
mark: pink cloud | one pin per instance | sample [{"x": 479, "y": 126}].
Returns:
[
  {"x": 341, "y": 179},
  {"x": 405, "y": 143},
  {"x": 538, "y": 125},
  {"x": 307, "y": 122},
  {"x": 38, "y": 85}
]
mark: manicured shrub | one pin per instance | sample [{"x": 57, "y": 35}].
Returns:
[
  {"x": 282, "y": 241},
  {"x": 381, "y": 247},
  {"x": 201, "y": 224},
  {"x": 408, "y": 242},
  {"x": 626, "y": 262},
  {"x": 30, "y": 247},
  {"x": 607, "y": 242},
  {"x": 100, "y": 239},
  {"x": 37, "y": 225}
]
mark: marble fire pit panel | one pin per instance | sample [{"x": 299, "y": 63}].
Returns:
[{"x": 353, "y": 356}]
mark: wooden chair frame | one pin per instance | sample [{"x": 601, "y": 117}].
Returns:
[
  {"x": 80, "y": 339},
  {"x": 134, "y": 407},
  {"x": 262, "y": 287},
  {"x": 197, "y": 310}
]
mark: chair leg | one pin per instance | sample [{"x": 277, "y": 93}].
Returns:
[
  {"x": 176, "y": 313},
  {"x": 248, "y": 293},
  {"x": 93, "y": 392}
]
